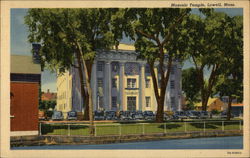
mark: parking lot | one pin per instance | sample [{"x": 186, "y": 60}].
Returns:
[{"x": 111, "y": 116}]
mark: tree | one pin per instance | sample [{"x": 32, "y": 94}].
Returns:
[
  {"x": 70, "y": 35},
  {"x": 206, "y": 37},
  {"x": 231, "y": 81},
  {"x": 157, "y": 34},
  {"x": 190, "y": 86}
]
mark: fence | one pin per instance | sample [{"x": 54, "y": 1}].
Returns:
[{"x": 72, "y": 129}]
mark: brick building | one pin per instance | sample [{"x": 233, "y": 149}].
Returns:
[
  {"x": 25, "y": 80},
  {"x": 48, "y": 96}
]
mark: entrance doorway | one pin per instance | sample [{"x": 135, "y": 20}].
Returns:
[{"x": 131, "y": 103}]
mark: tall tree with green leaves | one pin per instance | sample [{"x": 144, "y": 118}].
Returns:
[
  {"x": 231, "y": 80},
  {"x": 206, "y": 37},
  {"x": 190, "y": 86},
  {"x": 157, "y": 34},
  {"x": 70, "y": 35}
]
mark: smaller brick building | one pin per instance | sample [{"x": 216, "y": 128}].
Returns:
[{"x": 25, "y": 80}]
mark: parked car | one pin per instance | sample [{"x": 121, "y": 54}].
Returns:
[
  {"x": 193, "y": 114},
  {"x": 204, "y": 115},
  {"x": 181, "y": 115},
  {"x": 72, "y": 115},
  {"x": 138, "y": 115},
  {"x": 224, "y": 114},
  {"x": 126, "y": 115},
  {"x": 167, "y": 116},
  {"x": 110, "y": 115},
  {"x": 148, "y": 115},
  {"x": 57, "y": 116},
  {"x": 99, "y": 115}
]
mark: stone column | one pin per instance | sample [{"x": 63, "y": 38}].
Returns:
[
  {"x": 142, "y": 87},
  {"x": 107, "y": 82},
  {"x": 121, "y": 86},
  {"x": 94, "y": 84}
]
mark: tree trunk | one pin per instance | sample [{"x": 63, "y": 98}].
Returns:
[
  {"x": 229, "y": 108},
  {"x": 86, "y": 110},
  {"x": 83, "y": 92},
  {"x": 89, "y": 90},
  {"x": 160, "y": 98}
]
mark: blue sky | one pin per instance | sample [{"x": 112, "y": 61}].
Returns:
[{"x": 21, "y": 46}]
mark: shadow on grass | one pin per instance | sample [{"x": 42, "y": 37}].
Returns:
[
  {"x": 201, "y": 125},
  {"x": 170, "y": 126}
]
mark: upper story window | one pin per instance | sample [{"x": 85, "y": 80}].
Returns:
[
  {"x": 172, "y": 84},
  {"x": 100, "y": 65},
  {"x": 84, "y": 82},
  {"x": 100, "y": 82},
  {"x": 172, "y": 69},
  {"x": 131, "y": 83},
  {"x": 147, "y": 69},
  {"x": 147, "y": 83}
]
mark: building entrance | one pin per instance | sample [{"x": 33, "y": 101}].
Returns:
[{"x": 131, "y": 103}]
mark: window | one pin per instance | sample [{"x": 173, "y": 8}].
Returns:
[
  {"x": 147, "y": 69},
  {"x": 100, "y": 102},
  {"x": 115, "y": 67},
  {"x": 172, "y": 101},
  {"x": 100, "y": 66},
  {"x": 172, "y": 84},
  {"x": 131, "y": 103},
  {"x": 147, "y": 83},
  {"x": 100, "y": 82},
  {"x": 147, "y": 102},
  {"x": 84, "y": 82},
  {"x": 114, "y": 83},
  {"x": 172, "y": 69},
  {"x": 131, "y": 83},
  {"x": 114, "y": 102}
]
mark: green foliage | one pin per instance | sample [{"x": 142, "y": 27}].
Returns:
[
  {"x": 58, "y": 30},
  {"x": 158, "y": 39},
  {"x": 190, "y": 86},
  {"x": 208, "y": 45},
  {"x": 215, "y": 112},
  {"x": 46, "y": 105},
  {"x": 231, "y": 80}
]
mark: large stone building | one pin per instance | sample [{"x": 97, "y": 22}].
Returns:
[{"x": 119, "y": 82}]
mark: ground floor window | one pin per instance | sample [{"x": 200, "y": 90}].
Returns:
[
  {"x": 131, "y": 103},
  {"x": 114, "y": 102},
  {"x": 172, "y": 101},
  {"x": 147, "y": 102}
]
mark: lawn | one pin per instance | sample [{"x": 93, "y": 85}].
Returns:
[{"x": 137, "y": 128}]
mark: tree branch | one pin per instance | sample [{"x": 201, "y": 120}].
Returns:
[
  {"x": 167, "y": 37},
  {"x": 148, "y": 36}
]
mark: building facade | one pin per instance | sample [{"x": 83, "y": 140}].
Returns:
[
  {"x": 24, "y": 93},
  {"x": 121, "y": 82}
]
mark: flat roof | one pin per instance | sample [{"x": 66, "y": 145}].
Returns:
[{"x": 24, "y": 64}]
